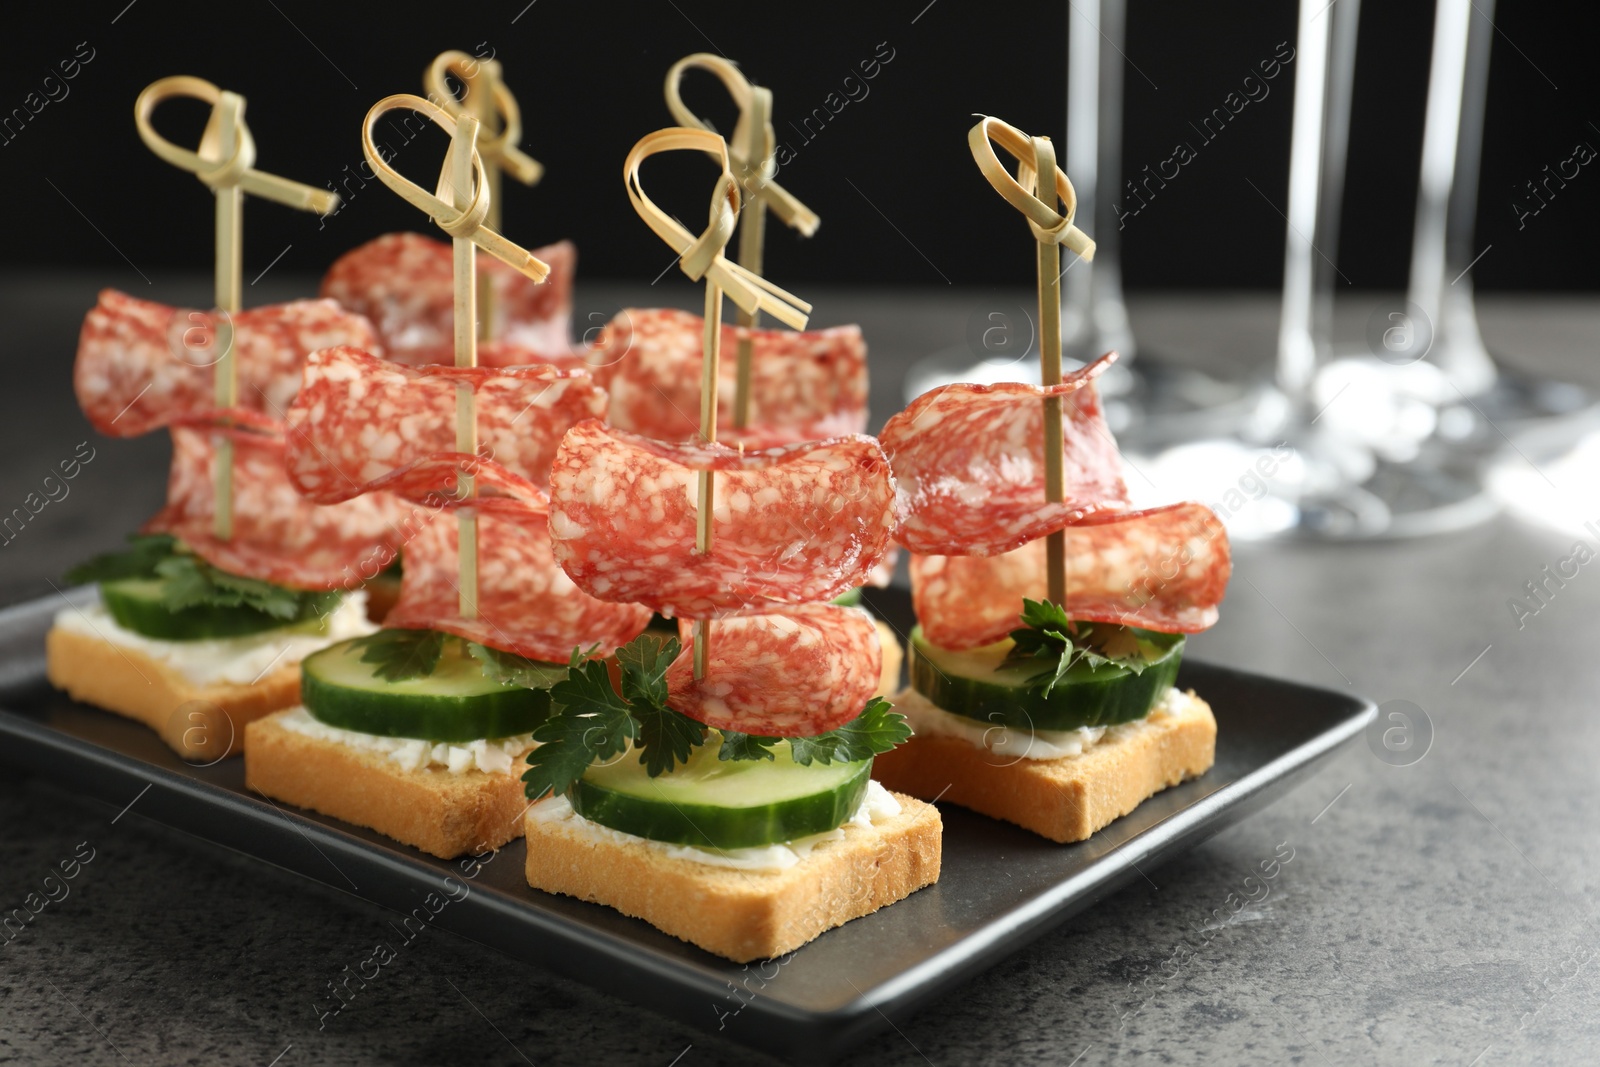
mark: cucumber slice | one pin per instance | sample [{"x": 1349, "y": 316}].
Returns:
[
  {"x": 973, "y": 683},
  {"x": 712, "y": 803},
  {"x": 138, "y": 605},
  {"x": 849, "y": 598},
  {"x": 455, "y": 703}
]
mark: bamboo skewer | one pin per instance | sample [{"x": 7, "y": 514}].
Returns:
[
  {"x": 228, "y": 270},
  {"x": 459, "y": 206},
  {"x": 458, "y": 162},
  {"x": 499, "y": 129},
  {"x": 1050, "y": 372},
  {"x": 710, "y": 359},
  {"x": 225, "y": 163},
  {"x": 750, "y": 150},
  {"x": 1036, "y": 167},
  {"x": 701, "y": 259}
]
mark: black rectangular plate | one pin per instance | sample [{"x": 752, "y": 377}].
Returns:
[{"x": 1270, "y": 734}]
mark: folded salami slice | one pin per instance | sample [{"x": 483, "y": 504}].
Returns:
[
  {"x": 792, "y": 525},
  {"x": 361, "y": 423},
  {"x": 1163, "y": 569},
  {"x": 403, "y": 282},
  {"x": 278, "y": 535},
  {"x": 969, "y": 465},
  {"x": 803, "y": 386},
  {"x": 526, "y": 604},
  {"x": 143, "y": 365},
  {"x": 795, "y": 673}
]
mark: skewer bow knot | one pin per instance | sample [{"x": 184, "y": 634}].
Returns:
[
  {"x": 1034, "y": 156},
  {"x": 484, "y": 75},
  {"x": 467, "y": 222},
  {"x": 751, "y": 148},
  {"x": 701, "y": 257},
  {"x": 227, "y": 154}
]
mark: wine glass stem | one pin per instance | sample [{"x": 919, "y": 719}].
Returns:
[{"x": 1325, "y": 58}]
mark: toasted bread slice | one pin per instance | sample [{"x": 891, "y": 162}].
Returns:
[
  {"x": 1065, "y": 799},
  {"x": 893, "y": 656},
  {"x": 199, "y": 722},
  {"x": 441, "y": 813},
  {"x": 741, "y": 914},
  {"x": 383, "y": 592}
]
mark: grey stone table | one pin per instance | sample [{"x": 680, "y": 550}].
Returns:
[{"x": 1441, "y": 912}]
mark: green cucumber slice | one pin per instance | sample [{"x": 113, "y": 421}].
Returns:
[
  {"x": 973, "y": 683},
  {"x": 455, "y": 703},
  {"x": 712, "y": 803},
  {"x": 138, "y": 604},
  {"x": 849, "y": 598}
]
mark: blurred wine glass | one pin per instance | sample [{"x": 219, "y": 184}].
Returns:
[
  {"x": 1148, "y": 400},
  {"x": 1371, "y": 443}
]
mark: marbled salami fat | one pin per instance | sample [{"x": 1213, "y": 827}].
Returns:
[
  {"x": 1163, "y": 569},
  {"x": 792, "y": 525},
  {"x": 794, "y": 673},
  {"x": 359, "y": 421},
  {"x": 278, "y": 535},
  {"x": 526, "y": 604},
  {"x": 803, "y": 386},
  {"x": 969, "y": 465},
  {"x": 404, "y": 283},
  {"x": 143, "y": 365}
]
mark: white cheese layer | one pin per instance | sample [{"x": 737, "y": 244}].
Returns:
[
  {"x": 491, "y": 756},
  {"x": 238, "y": 660},
  {"x": 878, "y": 805},
  {"x": 1014, "y": 743}
]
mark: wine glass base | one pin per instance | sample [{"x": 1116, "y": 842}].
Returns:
[
  {"x": 1310, "y": 485},
  {"x": 1550, "y": 477},
  {"x": 1481, "y": 423}
]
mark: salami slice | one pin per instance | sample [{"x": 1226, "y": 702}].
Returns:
[
  {"x": 1163, "y": 569},
  {"x": 796, "y": 673},
  {"x": 803, "y": 386},
  {"x": 143, "y": 365},
  {"x": 404, "y": 283},
  {"x": 526, "y": 604},
  {"x": 792, "y": 525},
  {"x": 278, "y": 535},
  {"x": 968, "y": 463},
  {"x": 359, "y": 420}
]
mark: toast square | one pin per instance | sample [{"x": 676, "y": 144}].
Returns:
[
  {"x": 740, "y": 914},
  {"x": 1066, "y": 799},
  {"x": 199, "y": 722},
  {"x": 444, "y": 814}
]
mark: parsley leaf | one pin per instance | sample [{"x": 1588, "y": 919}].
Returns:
[
  {"x": 138, "y": 561},
  {"x": 192, "y": 583},
  {"x": 402, "y": 654},
  {"x": 666, "y": 737},
  {"x": 589, "y": 721},
  {"x": 508, "y": 668},
  {"x": 644, "y": 662},
  {"x": 1048, "y": 634},
  {"x": 877, "y": 729},
  {"x": 737, "y": 746}
]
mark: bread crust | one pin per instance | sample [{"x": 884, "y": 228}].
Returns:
[
  {"x": 1065, "y": 799},
  {"x": 444, "y": 814},
  {"x": 199, "y": 722},
  {"x": 893, "y": 656},
  {"x": 742, "y": 915}
]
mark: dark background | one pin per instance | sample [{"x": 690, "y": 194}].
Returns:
[{"x": 589, "y": 80}]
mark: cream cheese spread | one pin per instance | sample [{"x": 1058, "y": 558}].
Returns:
[
  {"x": 241, "y": 660},
  {"x": 877, "y": 805}
]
